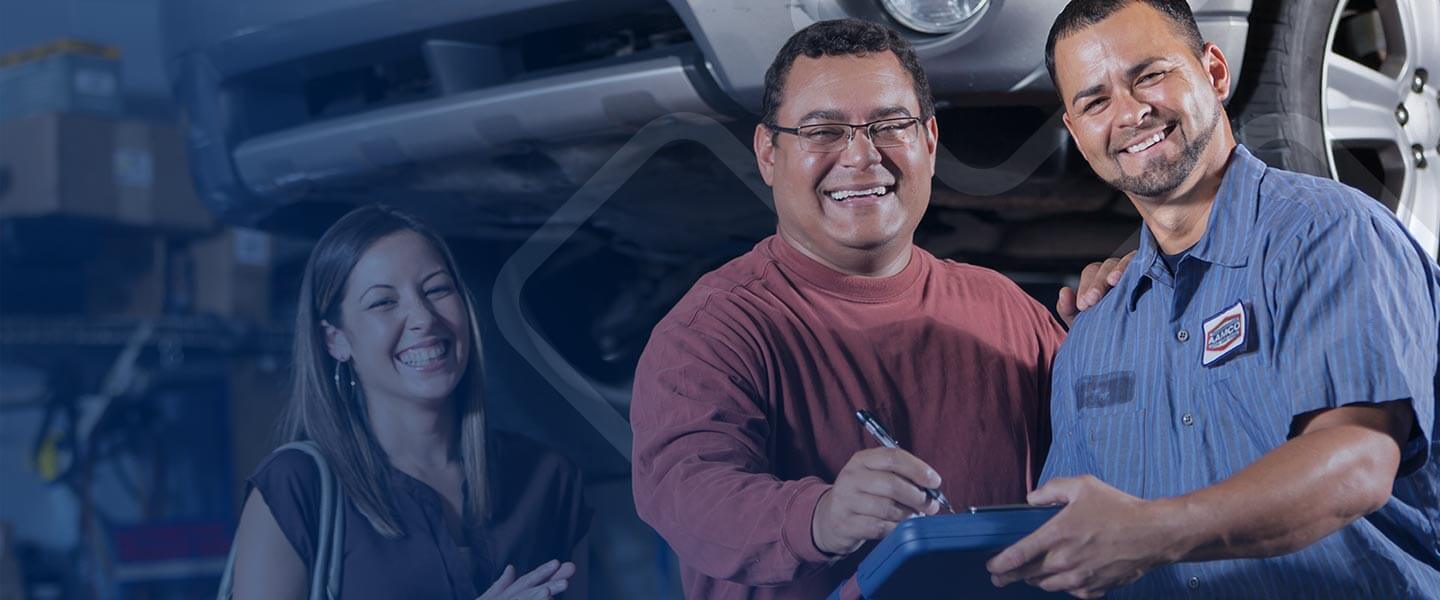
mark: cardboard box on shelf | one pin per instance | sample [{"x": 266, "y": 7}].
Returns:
[
  {"x": 129, "y": 279},
  {"x": 143, "y": 273},
  {"x": 71, "y": 267},
  {"x": 258, "y": 392},
  {"x": 151, "y": 179},
  {"x": 56, "y": 165},
  {"x": 231, "y": 274},
  {"x": 62, "y": 76},
  {"x": 124, "y": 170}
]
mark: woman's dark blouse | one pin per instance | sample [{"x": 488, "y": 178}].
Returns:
[{"x": 538, "y": 513}]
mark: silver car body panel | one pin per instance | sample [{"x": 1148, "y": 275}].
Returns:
[{"x": 998, "y": 59}]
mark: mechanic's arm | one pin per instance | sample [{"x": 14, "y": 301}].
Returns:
[
  {"x": 1351, "y": 286},
  {"x": 1339, "y": 468},
  {"x": 1347, "y": 286}
]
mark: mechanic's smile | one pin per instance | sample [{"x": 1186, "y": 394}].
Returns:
[{"x": 1145, "y": 144}]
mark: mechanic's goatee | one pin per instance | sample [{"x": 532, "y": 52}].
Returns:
[{"x": 1164, "y": 177}]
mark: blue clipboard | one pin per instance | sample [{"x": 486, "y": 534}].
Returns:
[{"x": 943, "y": 556}]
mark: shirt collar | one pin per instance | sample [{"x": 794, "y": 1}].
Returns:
[{"x": 1232, "y": 217}]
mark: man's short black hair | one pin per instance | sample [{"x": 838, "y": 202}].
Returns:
[
  {"x": 842, "y": 37},
  {"x": 1079, "y": 14}
]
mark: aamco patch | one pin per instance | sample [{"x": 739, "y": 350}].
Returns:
[{"x": 1226, "y": 334}]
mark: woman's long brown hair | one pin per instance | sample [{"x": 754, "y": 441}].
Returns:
[{"x": 336, "y": 421}]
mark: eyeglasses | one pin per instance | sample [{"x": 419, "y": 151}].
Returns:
[{"x": 835, "y": 137}]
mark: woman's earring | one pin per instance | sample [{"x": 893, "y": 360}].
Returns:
[{"x": 339, "y": 389}]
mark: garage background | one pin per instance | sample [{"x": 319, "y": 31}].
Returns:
[{"x": 144, "y": 342}]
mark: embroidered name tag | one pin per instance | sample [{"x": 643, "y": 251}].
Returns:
[
  {"x": 1226, "y": 334},
  {"x": 1106, "y": 389}
]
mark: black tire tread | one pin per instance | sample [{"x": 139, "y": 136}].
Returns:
[{"x": 1277, "y": 109}]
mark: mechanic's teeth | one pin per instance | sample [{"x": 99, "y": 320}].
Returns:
[
  {"x": 843, "y": 194},
  {"x": 1145, "y": 145}
]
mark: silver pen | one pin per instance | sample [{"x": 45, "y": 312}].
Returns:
[{"x": 878, "y": 432}]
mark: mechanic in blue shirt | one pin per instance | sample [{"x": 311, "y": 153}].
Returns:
[{"x": 1250, "y": 412}]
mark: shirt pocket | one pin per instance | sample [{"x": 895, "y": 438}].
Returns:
[
  {"x": 1114, "y": 426},
  {"x": 1239, "y": 423}
]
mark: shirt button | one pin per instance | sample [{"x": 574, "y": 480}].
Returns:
[
  {"x": 1182, "y": 335},
  {"x": 1188, "y": 419},
  {"x": 1194, "y": 583}
]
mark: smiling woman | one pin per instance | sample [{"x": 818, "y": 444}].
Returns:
[{"x": 388, "y": 389}]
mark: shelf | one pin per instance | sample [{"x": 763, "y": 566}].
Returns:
[{"x": 188, "y": 332}]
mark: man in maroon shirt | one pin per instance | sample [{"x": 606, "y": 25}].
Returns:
[{"x": 748, "y": 458}]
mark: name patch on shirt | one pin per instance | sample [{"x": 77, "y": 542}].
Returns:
[
  {"x": 1106, "y": 389},
  {"x": 1226, "y": 334}
]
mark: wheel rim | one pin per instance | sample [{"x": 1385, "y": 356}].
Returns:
[{"x": 1382, "y": 130}]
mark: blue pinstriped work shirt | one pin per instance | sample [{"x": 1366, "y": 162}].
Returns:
[{"x": 1309, "y": 295}]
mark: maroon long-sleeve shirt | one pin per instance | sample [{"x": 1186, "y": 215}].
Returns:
[{"x": 744, "y": 402}]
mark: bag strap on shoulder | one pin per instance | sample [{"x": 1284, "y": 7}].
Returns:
[{"x": 330, "y": 542}]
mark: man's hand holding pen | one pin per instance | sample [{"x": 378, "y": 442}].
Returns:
[
  {"x": 876, "y": 490},
  {"x": 882, "y": 435}
]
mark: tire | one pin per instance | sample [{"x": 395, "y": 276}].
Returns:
[
  {"x": 1321, "y": 91},
  {"x": 1278, "y": 95}
]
